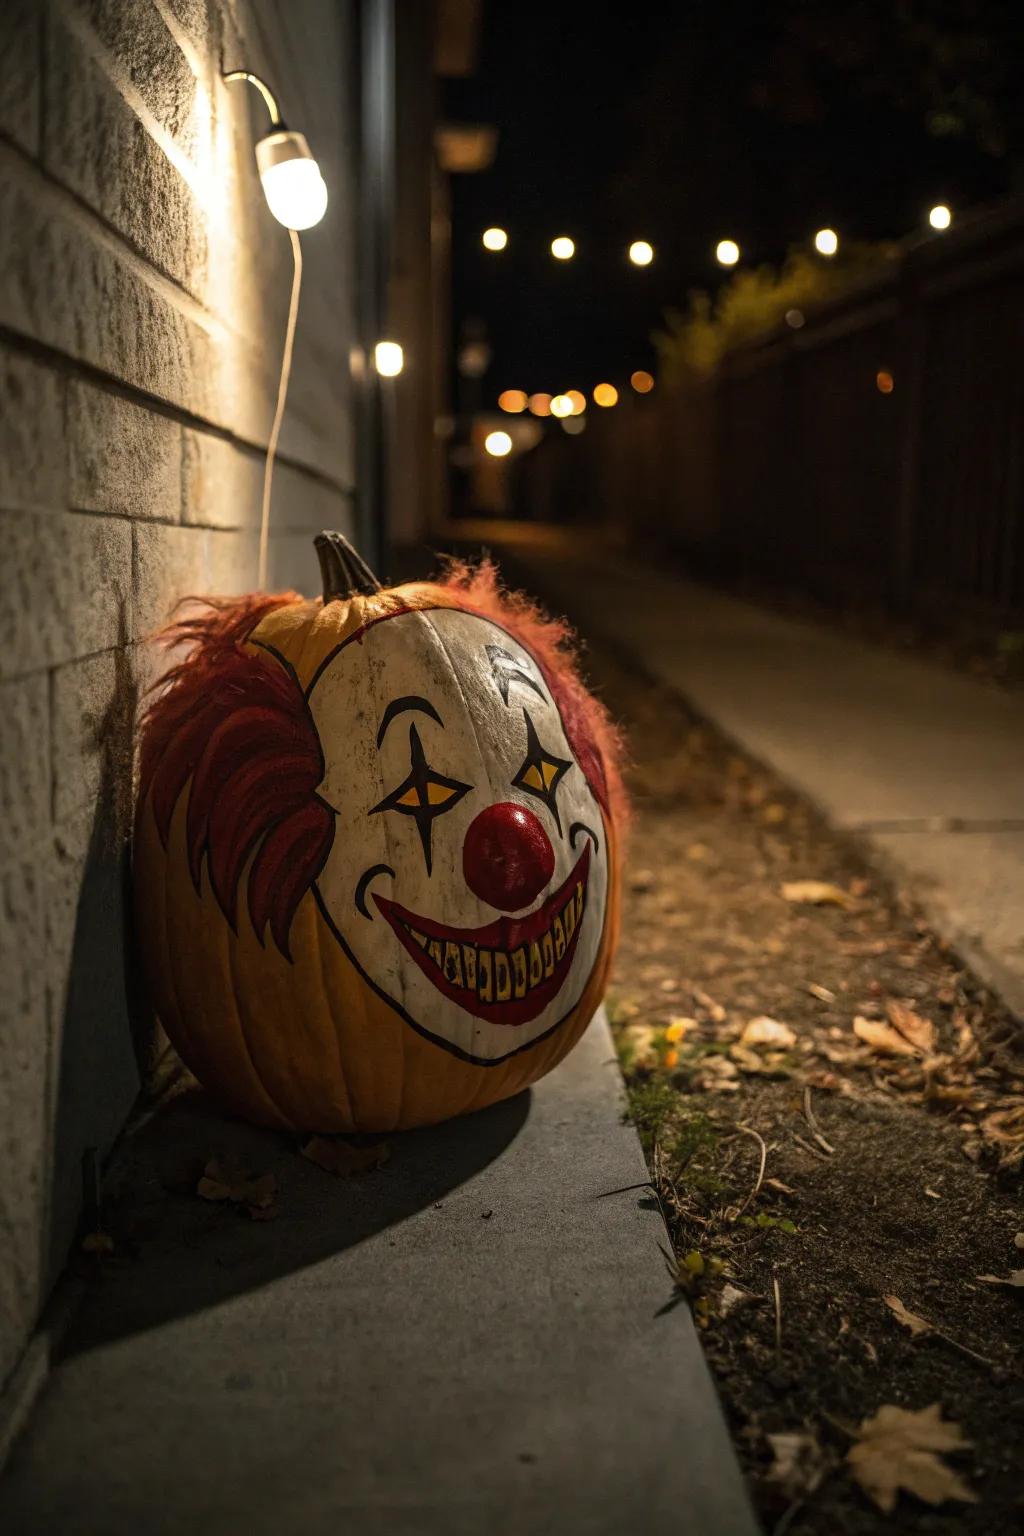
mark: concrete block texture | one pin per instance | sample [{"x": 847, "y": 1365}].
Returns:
[
  {"x": 32, "y": 467},
  {"x": 122, "y": 457},
  {"x": 66, "y": 586},
  {"x": 143, "y": 293},
  {"x": 21, "y": 43}
]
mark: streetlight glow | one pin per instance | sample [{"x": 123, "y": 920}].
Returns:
[
  {"x": 940, "y": 217},
  {"x": 494, "y": 239},
  {"x": 642, "y": 381},
  {"x": 727, "y": 253},
  {"x": 512, "y": 400},
  {"x": 562, "y": 248},
  {"x": 826, "y": 242},
  {"x": 561, "y": 405},
  {"x": 606, "y": 395},
  {"x": 641, "y": 253},
  {"x": 389, "y": 359},
  {"x": 498, "y": 444}
]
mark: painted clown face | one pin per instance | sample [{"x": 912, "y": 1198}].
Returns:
[{"x": 468, "y": 873}]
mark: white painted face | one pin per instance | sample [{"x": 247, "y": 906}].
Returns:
[{"x": 468, "y": 875}]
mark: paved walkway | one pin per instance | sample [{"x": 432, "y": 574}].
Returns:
[
  {"x": 929, "y": 766},
  {"x": 472, "y": 1340}
]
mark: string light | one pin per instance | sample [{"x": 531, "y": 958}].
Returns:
[
  {"x": 561, "y": 406},
  {"x": 494, "y": 239},
  {"x": 539, "y": 405},
  {"x": 562, "y": 248},
  {"x": 388, "y": 359},
  {"x": 826, "y": 242},
  {"x": 577, "y": 400},
  {"x": 606, "y": 395},
  {"x": 512, "y": 400},
  {"x": 727, "y": 253},
  {"x": 642, "y": 381},
  {"x": 641, "y": 253},
  {"x": 940, "y": 217},
  {"x": 498, "y": 444}
]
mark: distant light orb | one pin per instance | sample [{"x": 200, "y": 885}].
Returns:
[
  {"x": 512, "y": 400},
  {"x": 940, "y": 217},
  {"x": 826, "y": 242},
  {"x": 574, "y": 425},
  {"x": 606, "y": 395},
  {"x": 498, "y": 444},
  {"x": 884, "y": 382},
  {"x": 389, "y": 359},
  {"x": 539, "y": 405},
  {"x": 794, "y": 318},
  {"x": 641, "y": 253},
  {"x": 494, "y": 239},
  {"x": 577, "y": 400},
  {"x": 727, "y": 253},
  {"x": 642, "y": 381},
  {"x": 561, "y": 405},
  {"x": 562, "y": 248}
]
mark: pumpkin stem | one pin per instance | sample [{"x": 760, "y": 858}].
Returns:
[{"x": 345, "y": 573}]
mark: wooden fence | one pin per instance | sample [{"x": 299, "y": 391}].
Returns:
[{"x": 874, "y": 454}]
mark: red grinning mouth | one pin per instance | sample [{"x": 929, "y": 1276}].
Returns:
[{"x": 508, "y": 971}]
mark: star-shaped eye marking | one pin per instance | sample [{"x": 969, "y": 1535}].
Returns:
[
  {"x": 541, "y": 772},
  {"x": 423, "y": 795},
  {"x": 507, "y": 669}
]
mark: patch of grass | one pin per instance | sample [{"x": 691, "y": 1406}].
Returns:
[{"x": 664, "y": 1117}]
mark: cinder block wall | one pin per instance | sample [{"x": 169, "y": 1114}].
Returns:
[{"x": 143, "y": 294}]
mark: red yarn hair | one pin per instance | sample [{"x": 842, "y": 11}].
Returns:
[
  {"x": 238, "y": 727},
  {"x": 235, "y": 728}
]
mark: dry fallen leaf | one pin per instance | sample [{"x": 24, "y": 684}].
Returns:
[
  {"x": 1018, "y": 1241},
  {"x": 732, "y": 1297},
  {"x": 815, "y": 893},
  {"x": 717, "y": 1074},
  {"x": 920, "y": 1032},
  {"x": 226, "y": 1179},
  {"x": 1015, "y": 1279},
  {"x": 881, "y": 1037},
  {"x": 899, "y": 1448},
  {"x": 798, "y": 1466},
  {"x": 916, "y": 1325},
  {"x": 341, "y": 1157},
  {"x": 823, "y": 994},
  {"x": 766, "y": 1031}
]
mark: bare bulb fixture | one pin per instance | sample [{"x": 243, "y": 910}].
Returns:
[{"x": 296, "y": 192}]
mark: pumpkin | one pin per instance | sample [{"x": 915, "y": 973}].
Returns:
[{"x": 376, "y": 856}]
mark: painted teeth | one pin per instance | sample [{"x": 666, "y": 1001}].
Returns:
[{"x": 498, "y": 975}]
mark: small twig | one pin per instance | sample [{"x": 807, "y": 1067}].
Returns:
[
  {"x": 812, "y": 1122},
  {"x": 808, "y": 1148},
  {"x": 778, "y": 1314},
  {"x": 972, "y": 1354},
  {"x": 786, "y": 1520},
  {"x": 749, "y": 1131}
]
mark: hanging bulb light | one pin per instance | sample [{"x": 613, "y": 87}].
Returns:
[{"x": 296, "y": 192}]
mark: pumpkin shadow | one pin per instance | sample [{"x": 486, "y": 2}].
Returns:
[{"x": 176, "y": 1254}]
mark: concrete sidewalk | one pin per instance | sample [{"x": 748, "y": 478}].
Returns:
[
  {"x": 471, "y": 1340},
  {"x": 927, "y": 765}
]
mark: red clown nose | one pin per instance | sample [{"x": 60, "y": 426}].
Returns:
[{"x": 507, "y": 857}]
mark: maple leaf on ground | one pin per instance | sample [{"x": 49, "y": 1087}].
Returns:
[
  {"x": 917, "y": 1325},
  {"x": 226, "y": 1179},
  {"x": 900, "y": 1448}
]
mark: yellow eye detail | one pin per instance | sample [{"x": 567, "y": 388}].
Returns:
[
  {"x": 411, "y": 797},
  {"x": 438, "y": 794},
  {"x": 550, "y": 771},
  {"x": 531, "y": 778}
]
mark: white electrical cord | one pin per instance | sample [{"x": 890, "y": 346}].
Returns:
[{"x": 282, "y": 396}]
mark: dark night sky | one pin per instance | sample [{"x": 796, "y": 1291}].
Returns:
[{"x": 684, "y": 123}]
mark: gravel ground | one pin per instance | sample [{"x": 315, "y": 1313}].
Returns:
[{"x": 811, "y": 1166}]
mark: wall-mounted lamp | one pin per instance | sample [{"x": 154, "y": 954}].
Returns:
[
  {"x": 297, "y": 197},
  {"x": 296, "y": 192}
]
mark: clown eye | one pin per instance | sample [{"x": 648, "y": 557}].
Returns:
[
  {"x": 423, "y": 795},
  {"x": 541, "y": 771}
]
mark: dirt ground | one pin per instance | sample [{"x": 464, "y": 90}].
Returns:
[{"x": 892, "y": 1150}]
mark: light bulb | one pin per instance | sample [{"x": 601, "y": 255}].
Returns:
[
  {"x": 641, "y": 253},
  {"x": 498, "y": 444},
  {"x": 563, "y": 248},
  {"x": 296, "y": 192},
  {"x": 940, "y": 217},
  {"x": 727, "y": 253},
  {"x": 388, "y": 359},
  {"x": 826, "y": 242}
]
